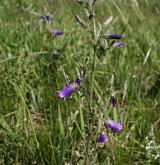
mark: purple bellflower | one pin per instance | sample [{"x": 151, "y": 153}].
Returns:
[
  {"x": 56, "y": 32},
  {"x": 78, "y": 18},
  {"x": 114, "y": 101},
  {"x": 68, "y": 91},
  {"x": 113, "y": 36},
  {"x": 115, "y": 127},
  {"x": 78, "y": 81},
  {"x": 119, "y": 44},
  {"x": 80, "y": 21},
  {"x": 47, "y": 18},
  {"x": 102, "y": 138}
]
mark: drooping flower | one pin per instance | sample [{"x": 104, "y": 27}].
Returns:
[
  {"x": 47, "y": 18},
  {"x": 56, "y": 32},
  {"x": 113, "y": 36},
  {"x": 114, "y": 101},
  {"x": 80, "y": 21},
  {"x": 78, "y": 81},
  {"x": 102, "y": 138},
  {"x": 108, "y": 20},
  {"x": 115, "y": 127},
  {"x": 68, "y": 91},
  {"x": 119, "y": 44},
  {"x": 78, "y": 18}
]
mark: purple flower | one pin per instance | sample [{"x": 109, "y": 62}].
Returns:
[
  {"x": 114, "y": 101},
  {"x": 80, "y": 21},
  {"x": 56, "y": 32},
  {"x": 68, "y": 91},
  {"x": 47, "y": 18},
  {"x": 116, "y": 127},
  {"x": 78, "y": 18},
  {"x": 119, "y": 44},
  {"x": 102, "y": 138},
  {"x": 78, "y": 81},
  {"x": 113, "y": 36}
]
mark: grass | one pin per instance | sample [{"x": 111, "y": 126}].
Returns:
[{"x": 36, "y": 127}]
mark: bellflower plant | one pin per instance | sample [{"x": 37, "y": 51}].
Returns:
[
  {"x": 95, "y": 30},
  {"x": 97, "y": 35}
]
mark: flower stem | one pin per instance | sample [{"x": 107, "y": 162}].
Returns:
[{"x": 90, "y": 124}]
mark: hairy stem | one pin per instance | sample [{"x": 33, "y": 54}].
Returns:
[{"x": 90, "y": 124}]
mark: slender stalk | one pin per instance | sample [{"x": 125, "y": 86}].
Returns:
[
  {"x": 92, "y": 78},
  {"x": 90, "y": 126}
]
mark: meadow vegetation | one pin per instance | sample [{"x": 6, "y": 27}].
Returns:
[{"x": 39, "y": 127}]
